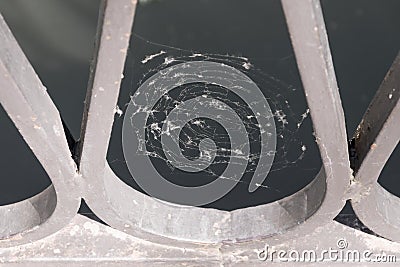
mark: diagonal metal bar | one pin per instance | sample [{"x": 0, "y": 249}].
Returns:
[
  {"x": 28, "y": 104},
  {"x": 83, "y": 242},
  {"x": 374, "y": 141},
  {"x": 30, "y": 107},
  {"x": 113, "y": 33},
  {"x": 378, "y": 133},
  {"x": 310, "y": 43}
]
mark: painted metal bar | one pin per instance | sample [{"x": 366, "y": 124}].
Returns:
[
  {"x": 30, "y": 107},
  {"x": 83, "y": 242},
  {"x": 310, "y": 43},
  {"x": 374, "y": 141},
  {"x": 378, "y": 133},
  {"x": 113, "y": 34}
]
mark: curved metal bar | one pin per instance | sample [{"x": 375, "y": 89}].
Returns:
[
  {"x": 307, "y": 213},
  {"x": 375, "y": 139},
  {"x": 28, "y": 213},
  {"x": 310, "y": 43},
  {"x": 126, "y": 209},
  {"x": 34, "y": 114}
]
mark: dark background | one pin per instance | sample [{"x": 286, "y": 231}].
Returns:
[{"x": 57, "y": 37}]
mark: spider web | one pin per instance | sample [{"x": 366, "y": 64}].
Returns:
[{"x": 199, "y": 137}]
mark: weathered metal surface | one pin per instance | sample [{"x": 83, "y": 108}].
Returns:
[
  {"x": 115, "y": 22},
  {"x": 378, "y": 133},
  {"x": 375, "y": 139},
  {"x": 128, "y": 210},
  {"x": 30, "y": 108},
  {"x": 310, "y": 43},
  {"x": 46, "y": 231},
  {"x": 114, "y": 30},
  {"x": 84, "y": 242}
]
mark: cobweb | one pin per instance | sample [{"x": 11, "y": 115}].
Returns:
[{"x": 202, "y": 135}]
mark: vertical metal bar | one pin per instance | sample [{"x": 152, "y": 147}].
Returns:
[
  {"x": 114, "y": 29},
  {"x": 310, "y": 42}
]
